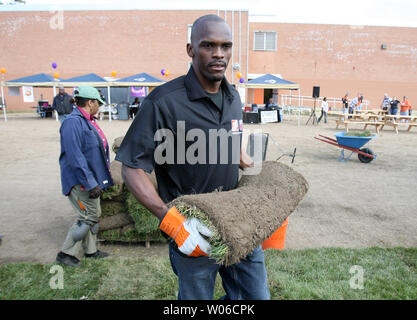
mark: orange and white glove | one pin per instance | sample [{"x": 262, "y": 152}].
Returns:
[{"x": 187, "y": 233}]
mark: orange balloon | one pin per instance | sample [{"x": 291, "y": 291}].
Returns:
[
  {"x": 3, "y": 70},
  {"x": 56, "y": 75},
  {"x": 239, "y": 75},
  {"x": 166, "y": 73},
  {"x": 113, "y": 73}
]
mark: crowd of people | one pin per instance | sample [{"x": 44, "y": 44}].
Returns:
[
  {"x": 388, "y": 104},
  {"x": 350, "y": 106},
  {"x": 391, "y": 105}
]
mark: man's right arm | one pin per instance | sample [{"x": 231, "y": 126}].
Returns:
[
  {"x": 144, "y": 191},
  {"x": 187, "y": 233}
]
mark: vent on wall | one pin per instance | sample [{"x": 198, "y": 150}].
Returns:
[{"x": 383, "y": 46}]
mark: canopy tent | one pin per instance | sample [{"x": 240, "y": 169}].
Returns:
[
  {"x": 139, "y": 80},
  {"x": 37, "y": 80},
  {"x": 90, "y": 79},
  {"x": 269, "y": 81}
]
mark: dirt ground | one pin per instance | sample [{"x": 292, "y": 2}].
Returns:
[{"x": 349, "y": 204}]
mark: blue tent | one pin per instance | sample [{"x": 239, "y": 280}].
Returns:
[
  {"x": 269, "y": 81},
  {"x": 139, "y": 80},
  {"x": 37, "y": 80},
  {"x": 90, "y": 79}
]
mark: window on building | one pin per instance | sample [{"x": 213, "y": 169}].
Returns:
[{"x": 265, "y": 41}]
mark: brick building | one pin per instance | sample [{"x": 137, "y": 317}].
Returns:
[{"x": 338, "y": 58}]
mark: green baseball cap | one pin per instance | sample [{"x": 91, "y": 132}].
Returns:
[{"x": 89, "y": 93}]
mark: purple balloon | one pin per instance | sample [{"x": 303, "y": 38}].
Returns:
[
  {"x": 54, "y": 65},
  {"x": 241, "y": 80},
  {"x": 163, "y": 72}
]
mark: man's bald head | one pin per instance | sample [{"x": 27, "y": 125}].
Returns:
[
  {"x": 200, "y": 26},
  {"x": 211, "y": 49}
]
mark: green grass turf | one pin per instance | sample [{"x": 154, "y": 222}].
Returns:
[{"x": 292, "y": 274}]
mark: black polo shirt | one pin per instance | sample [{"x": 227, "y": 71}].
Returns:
[{"x": 193, "y": 146}]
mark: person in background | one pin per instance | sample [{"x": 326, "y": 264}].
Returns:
[
  {"x": 345, "y": 101},
  {"x": 270, "y": 104},
  {"x": 385, "y": 105},
  {"x": 405, "y": 107},
  {"x": 394, "y": 106},
  {"x": 85, "y": 173},
  {"x": 360, "y": 101},
  {"x": 134, "y": 108},
  {"x": 324, "y": 110},
  {"x": 62, "y": 104},
  {"x": 355, "y": 103}
]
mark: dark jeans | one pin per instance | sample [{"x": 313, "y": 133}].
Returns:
[
  {"x": 323, "y": 113},
  {"x": 393, "y": 111},
  {"x": 244, "y": 280},
  {"x": 133, "y": 111},
  {"x": 350, "y": 112}
]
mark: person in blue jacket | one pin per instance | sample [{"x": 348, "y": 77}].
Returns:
[{"x": 85, "y": 173}]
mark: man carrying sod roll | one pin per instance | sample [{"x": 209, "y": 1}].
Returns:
[{"x": 174, "y": 136}]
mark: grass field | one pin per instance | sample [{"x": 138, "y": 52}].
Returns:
[{"x": 328, "y": 273}]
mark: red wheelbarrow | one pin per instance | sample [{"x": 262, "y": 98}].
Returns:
[{"x": 351, "y": 143}]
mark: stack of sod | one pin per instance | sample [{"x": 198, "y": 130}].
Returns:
[
  {"x": 116, "y": 143},
  {"x": 243, "y": 218},
  {"x": 138, "y": 224},
  {"x": 123, "y": 219}
]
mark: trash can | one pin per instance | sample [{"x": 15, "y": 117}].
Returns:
[{"x": 123, "y": 111}]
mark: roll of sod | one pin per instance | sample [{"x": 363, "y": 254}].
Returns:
[{"x": 243, "y": 218}]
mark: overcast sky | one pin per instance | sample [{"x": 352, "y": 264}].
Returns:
[{"x": 400, "y": 13}]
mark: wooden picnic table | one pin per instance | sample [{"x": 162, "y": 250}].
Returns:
[
  {"x": 378, "y": 118},
  {"x": 394, "y": 120},
  {"x": 357, "y": 118},
  {"x": 373, "y": 111}
]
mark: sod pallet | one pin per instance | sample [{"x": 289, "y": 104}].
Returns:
[{"x": 124, "y": 219}]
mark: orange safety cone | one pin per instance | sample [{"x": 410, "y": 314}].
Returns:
[{"x": 277, "y": 239}]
